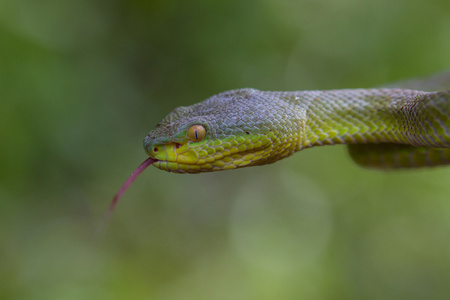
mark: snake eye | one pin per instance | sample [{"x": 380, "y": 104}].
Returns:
[{"x": 196, "y": 133}]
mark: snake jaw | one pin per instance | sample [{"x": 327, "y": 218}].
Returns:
[{"x": 217, "y": 155}]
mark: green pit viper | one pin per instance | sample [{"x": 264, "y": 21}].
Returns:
[{"x": 406, "y": 125}]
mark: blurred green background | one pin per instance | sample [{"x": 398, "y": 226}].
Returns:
[{"x": 81, "y": 84}]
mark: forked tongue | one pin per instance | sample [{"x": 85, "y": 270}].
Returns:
[
  {"x": 129, "y": 181},
  {"x": 124, "y": 187}
]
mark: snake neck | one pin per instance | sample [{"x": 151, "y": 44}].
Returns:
[{"x": 364, "y": 116}]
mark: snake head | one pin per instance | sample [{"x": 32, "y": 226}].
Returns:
[{"x": 230, "y": 130}]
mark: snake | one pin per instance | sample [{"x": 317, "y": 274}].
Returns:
[{"x": 404, "y": 125}]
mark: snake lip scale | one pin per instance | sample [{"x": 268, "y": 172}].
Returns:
[{"x": 183, "y": 165}]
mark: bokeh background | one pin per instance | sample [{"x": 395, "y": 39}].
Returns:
[{"x": 81, "y": 84}]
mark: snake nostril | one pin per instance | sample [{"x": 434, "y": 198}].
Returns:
[
  {"x": 177, "y": 145},
  {"x": 155, "y": 149}
]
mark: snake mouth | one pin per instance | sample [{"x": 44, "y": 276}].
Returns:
[
  {"x": 215, "y": 153},
  {"x": 178, "y": 160}
]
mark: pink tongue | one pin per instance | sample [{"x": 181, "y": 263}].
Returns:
[
  {"x": 122, "y": 190},
  {"x": 129, "y": 181}
]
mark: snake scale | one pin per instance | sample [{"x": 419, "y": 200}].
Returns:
[{"x": 406, "y": 125}]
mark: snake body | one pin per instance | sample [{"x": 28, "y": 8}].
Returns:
[
  {"x": 384, "y": 128},
  {"x": 404, "y": 126}
]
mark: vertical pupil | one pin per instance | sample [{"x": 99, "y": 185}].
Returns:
[{"x": 196, "y": 136}]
